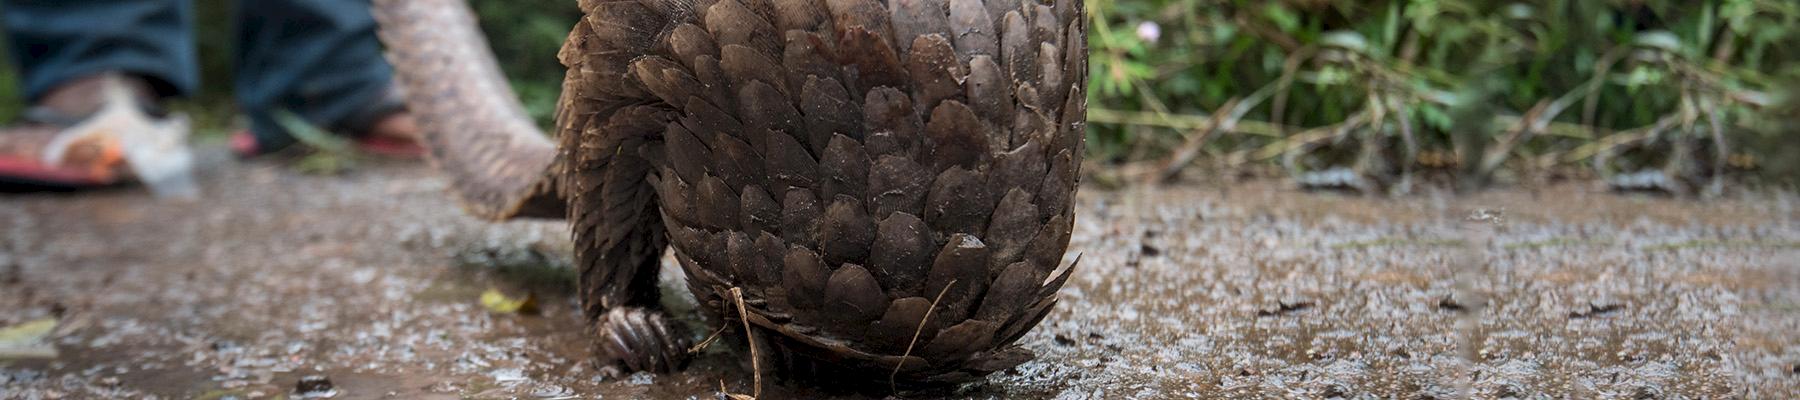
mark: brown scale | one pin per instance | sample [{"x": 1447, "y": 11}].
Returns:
[{"x": 887, "y": 182}]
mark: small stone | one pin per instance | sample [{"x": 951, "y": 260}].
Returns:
[
  {"x": 1284, "y": 307},
  {"x": 1149, "y": 251},
  {"x": 444, "y": 387},
  {"x": 315, "y": 387},
  {"x": 546, "y": 391},
  {"x": 1449, "y": 303}
]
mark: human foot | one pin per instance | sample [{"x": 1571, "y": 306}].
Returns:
[
  {"x": 396, "y": 135},
  {"x": 85, "y": 133},
  {"x": 386, "y": 129}
]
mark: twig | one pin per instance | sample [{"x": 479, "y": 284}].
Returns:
[
  {"x": 1225, "y": 119},
  {"x": 730, "y": 395},
  {"x": 749, "y": 337},
  {"x": 1271, "y": 35},
  {"x": 1179, "y": 121},
  {"x": 1722, "y": 153},
  {"x": 1601, "y": 151},
  {"x": 1515, "y": 135},
  {"x": 1290, "y": 68},
  {"x": 1190, "y": 148},
  {"x": 892, "y": 386},
  {"x": 1601, "y": 69},
  {"x": 1411, "y": 141},
  {"x": 1293, "y": 147},
  {"x": 1310, "y": 137},
  {"x": 737, "y": 295},
  {"x": 709, "y": 340}
]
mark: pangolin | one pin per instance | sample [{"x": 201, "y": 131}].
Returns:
[{"x": 884, "y": 186}]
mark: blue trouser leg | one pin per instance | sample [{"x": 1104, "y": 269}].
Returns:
[
  {"x": 319, "y": 59},
  {"x": 54, "y": 41}
]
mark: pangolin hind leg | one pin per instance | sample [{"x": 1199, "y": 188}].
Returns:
[
  {"x": 619, "y": 239},
  {"x": 502, "y": 167}
]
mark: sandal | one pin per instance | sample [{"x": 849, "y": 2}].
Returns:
[
  {"x": 88, "y": 161},
  {"x": 361, "y": 125},
  {"x": 127, "y": 138}
]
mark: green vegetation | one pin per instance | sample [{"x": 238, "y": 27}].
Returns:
[
  {"x": 526, "y": 35},
  {"x": 1477, "y": 89},
  {"x": 1465, "y": 91}
]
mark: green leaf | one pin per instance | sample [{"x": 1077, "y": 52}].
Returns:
[
  {"x": 1328, "y": 76},
  {"x": 1663, "y": 40},
  {"x": 1520, "y": 11},
  {"x": 1705, "y": 31},
  {"x": 309, "y": 134},
  {"x": 1424, "y": 15},
  {"x": 1390, "y": 29},
  {"x": 1222, "y": 33},
  {"x": 1642, "y": 76},
  {"x": 1348, "y": 40},
  {"x": 1282, "y": 17}
]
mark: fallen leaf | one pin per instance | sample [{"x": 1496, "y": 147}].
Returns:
[
  {"x": 28, "y": 340},
  {"x": 500, "y": 303}
]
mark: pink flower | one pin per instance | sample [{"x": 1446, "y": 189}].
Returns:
[{"x": 1149, "y": 31}]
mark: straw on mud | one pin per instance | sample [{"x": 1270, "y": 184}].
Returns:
[
  {"x": 709, "y": 340},
  {"x": 737, "y": 294},
  {"x": 730, "y": 395},
  {"x": 916, "y": 331}
]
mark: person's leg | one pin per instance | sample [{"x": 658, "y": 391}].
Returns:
[
  {"x": 318, "y": 59},
  {"x": 69, "y": 52},
  {"x": 58, "y": 41}
]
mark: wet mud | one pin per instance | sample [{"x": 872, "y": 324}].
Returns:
[{"x": 373, "y": 281}]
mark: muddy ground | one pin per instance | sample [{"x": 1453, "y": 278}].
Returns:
[{"x": 373, "y": 280}]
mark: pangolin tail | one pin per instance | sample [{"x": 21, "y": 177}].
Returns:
[{"x": 500, "y": 164}]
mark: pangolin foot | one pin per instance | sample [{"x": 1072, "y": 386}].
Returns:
[{"x": 631, "y": 339}]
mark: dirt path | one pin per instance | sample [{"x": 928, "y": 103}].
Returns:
[{"x": 373, "y": 280}]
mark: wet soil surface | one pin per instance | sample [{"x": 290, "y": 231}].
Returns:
[{"x": 373, "y": 280}]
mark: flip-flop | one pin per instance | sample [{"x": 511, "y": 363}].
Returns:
[
  {"x": 19, "y": 175},
  {"x": 391, "y": 148},
  {"x": 392, "y": 102},
  {"x": 244, "y": 144},
  {"x": 26, "y": 171}
]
